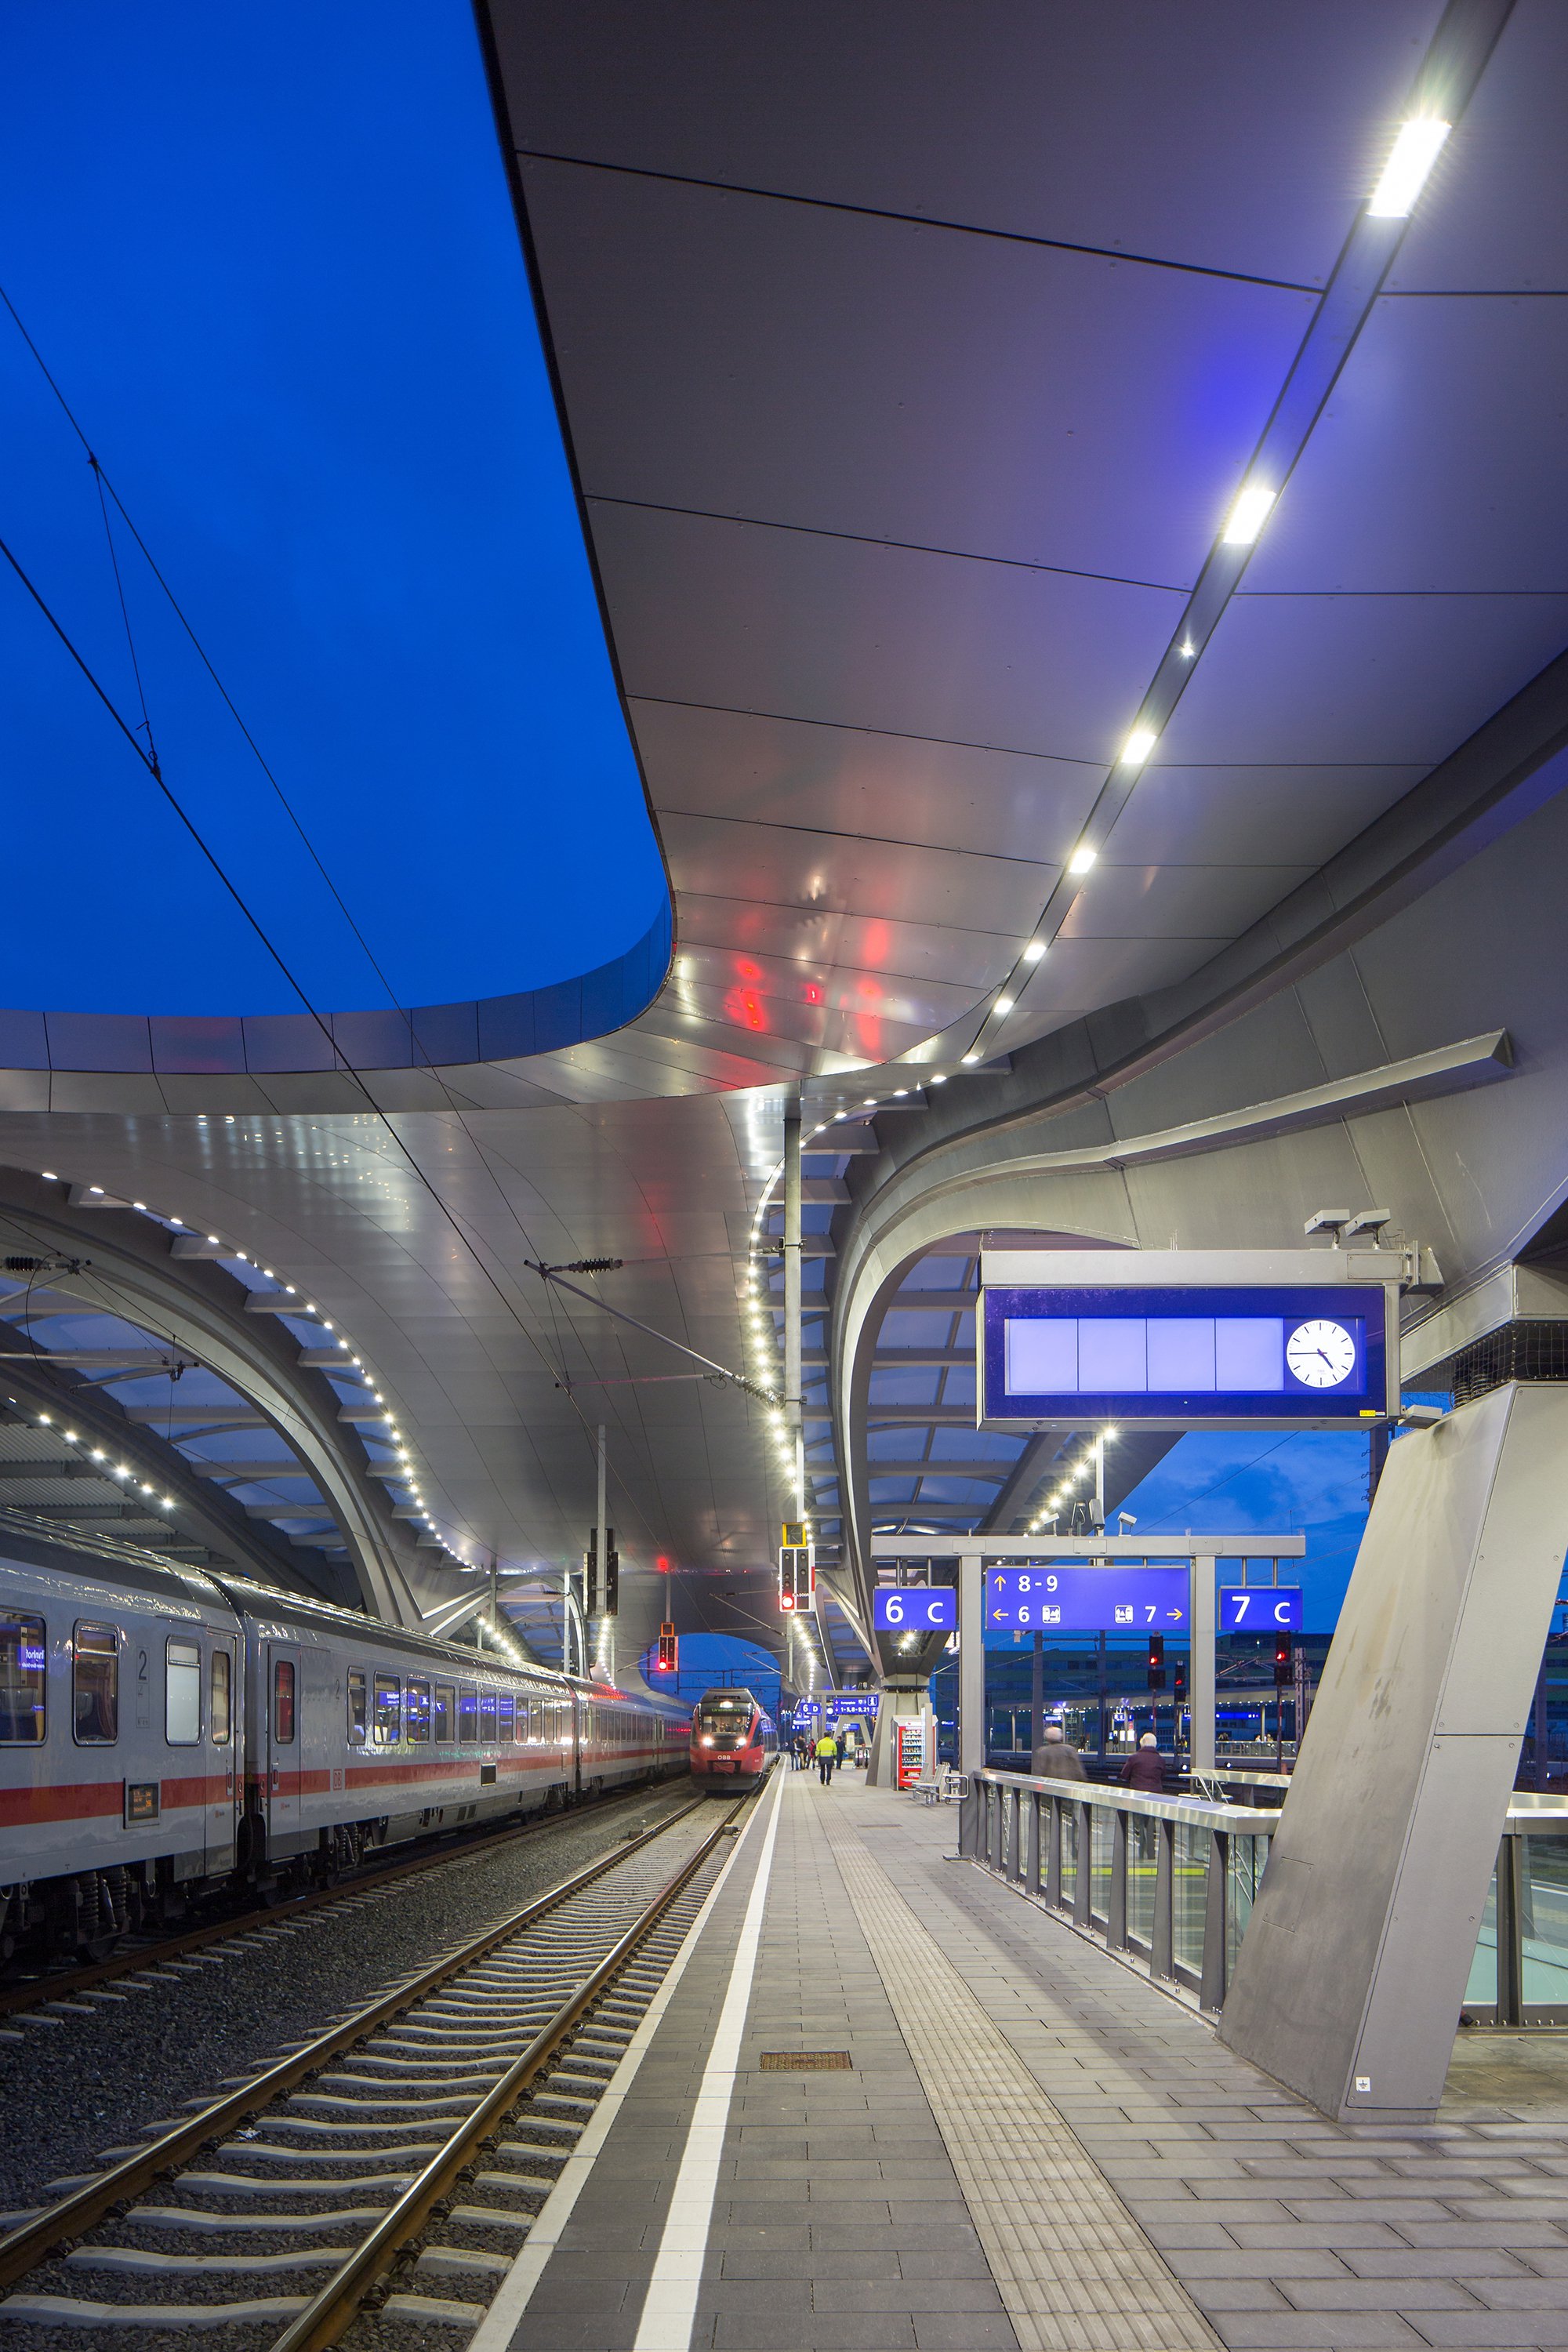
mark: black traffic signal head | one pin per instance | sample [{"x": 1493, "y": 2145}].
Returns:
[
  {"x": 1284, "y": 1659},
  {"x": 1156, "y": 1661}
]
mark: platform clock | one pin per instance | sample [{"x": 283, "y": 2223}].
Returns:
[{"x": 1320, "y": 1354}]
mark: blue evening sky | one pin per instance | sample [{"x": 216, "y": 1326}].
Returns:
[{"x": 269, "y": 254}]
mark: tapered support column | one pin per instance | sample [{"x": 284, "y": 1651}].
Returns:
[
  {"x": 794, "y": 1420},
  {"x": 1353, "y": 1968},
  {"x": 971, "y": 1665}
]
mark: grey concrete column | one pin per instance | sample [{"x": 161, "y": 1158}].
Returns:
[
  {"x": 1205, "y": 1604},
  {"x": 971, "y": 1664},
  {"x": 1353, "y": 1968}
]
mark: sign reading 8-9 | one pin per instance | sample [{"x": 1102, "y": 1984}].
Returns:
[{"x": 914, "y": 1609}]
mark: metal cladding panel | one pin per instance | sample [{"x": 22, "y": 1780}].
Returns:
[
  {"x": 23, "y": 1042},
  {"x": 446, "y": 1034},
  {"x": 187, "y": 1046},
  {"x": 556, "y": 1014},
  {"x": 99, "y": 1041},
  {"x": 373, "y": 1041},
  {"x": 286, "y": 1041},
  {"x": 1355, "y": 1958},
  {"x": 844, "y": 106}
]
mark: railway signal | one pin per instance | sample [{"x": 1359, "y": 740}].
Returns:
[
  {"x": 797, "y": 1567},
  {"x": 669, "y": 1659},
  {"x": 1284, "y": 1660},
  {"x": 601, "y": 1595},
  {"x": 1156, "y": 1661}
]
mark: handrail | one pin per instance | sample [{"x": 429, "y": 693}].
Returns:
[{"x": 1252, "y": 1821}]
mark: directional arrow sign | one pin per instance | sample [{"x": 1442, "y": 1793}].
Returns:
[{"x": 1081, "y": 1597}]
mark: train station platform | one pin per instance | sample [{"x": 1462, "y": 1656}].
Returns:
[{"x": 883, "y": 2101}]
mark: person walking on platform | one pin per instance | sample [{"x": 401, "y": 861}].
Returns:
[
  {"x": 1058, "y": 1760},
  {"x": 826, "y": 1757},
  {"x": 1146, "y": 1768}
]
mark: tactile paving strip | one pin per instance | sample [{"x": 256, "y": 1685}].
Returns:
[{"x": 1073, "y": 2268}]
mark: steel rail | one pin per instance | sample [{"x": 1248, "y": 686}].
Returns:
[
  {"x": 32, "y": 1992},
  {"x": 334, "y": 2308},
  {"x": 23, "y": 2248}
]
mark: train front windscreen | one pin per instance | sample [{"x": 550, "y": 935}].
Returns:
[{"x": 731, "y": 1737}]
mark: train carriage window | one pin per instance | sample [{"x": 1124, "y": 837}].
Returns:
[
  {"x": 95, "y": 1686},
  {"x": 468, "y": 1715},
  {"x": 181, "y": 1692},
  {"x": 505, "y": 1718},
  {"x": 220, "y": 1714},
  {"x": 283, "y": 1703},
  {"x": 388, "y": 1718},
  {"x": 487, "y": 1719},
  {"x": 522, "y": 1730},
  {"x": 417, "y": 1711},
  {"x": 24, "y": 1653},
  {"x": 446, "y": 1707},
  {"x": 357, "y": 1714}
]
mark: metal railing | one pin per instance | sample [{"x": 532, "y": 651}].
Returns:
[{"x": 1170, "y": 1881}]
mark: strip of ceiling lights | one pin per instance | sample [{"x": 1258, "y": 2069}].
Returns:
[{"x": 1459, "y": 50}]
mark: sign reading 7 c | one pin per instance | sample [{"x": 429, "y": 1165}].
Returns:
[
  {"x": 1261, "y": 1608},
  {"x": 915, "y": 1609}
]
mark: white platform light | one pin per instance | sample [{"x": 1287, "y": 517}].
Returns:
[
  {"x": 1082, "y": 858},
  {"x": 1415, "y": 150},
  {"x": 1004, "y": 1006},
  {"x": 1034, "y": 951},
  {"x": 1248, "y": 515},
  {"x": 1137, "y": 748}
]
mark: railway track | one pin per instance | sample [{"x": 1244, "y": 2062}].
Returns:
[
  {"x": 420, "y": 2135},
  {"x": 20, "y": 1994}
]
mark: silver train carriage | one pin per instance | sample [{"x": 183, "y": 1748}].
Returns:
[{"x": 165, "y": 1729}]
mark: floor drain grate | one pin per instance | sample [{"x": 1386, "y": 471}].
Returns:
[{"x": 805, "y": 2061}]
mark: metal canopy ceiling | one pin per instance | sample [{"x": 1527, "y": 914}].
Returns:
[
  {"x": 910, "y": 361},
  {"x": 908, "y": 398}
]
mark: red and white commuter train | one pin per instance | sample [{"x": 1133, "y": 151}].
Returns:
[
  {"x": 164, "y": 1728},
  {"x": 732, "y": 1739}
]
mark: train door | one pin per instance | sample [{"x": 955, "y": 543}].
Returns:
[
  {"x": 223, "y": 1762},
  {"x": 280, "y": 1698}
]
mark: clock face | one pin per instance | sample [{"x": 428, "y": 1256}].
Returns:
[{"x": 1320, "y": 1354}]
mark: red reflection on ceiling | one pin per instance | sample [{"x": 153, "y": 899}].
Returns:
[
  {"x": 813, "y": 993},
  {"x": 750, "y": 970},
  {"x": 744, "y": 1006}
]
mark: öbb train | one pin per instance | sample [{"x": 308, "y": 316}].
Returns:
[
  {"x": 731, "y": 1739},
  {"x": 165, "y": 1729}
]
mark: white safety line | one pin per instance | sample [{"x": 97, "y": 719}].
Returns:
[
  {"x": 670, "y": 2306},
  {"x": 496, "y": 2330}
]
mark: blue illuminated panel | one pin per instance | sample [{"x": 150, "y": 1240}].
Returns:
[
  {"x": 1083, "y": 1600},
  {"x": 1304, "y": 1356},
  {"x": 914, "y": 1609},
  {"x": 1260, "y": 1609}
]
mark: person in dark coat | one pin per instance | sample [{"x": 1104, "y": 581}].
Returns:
[
  {"x": 1146, "y": 1768},
  {"x": 1057, "y": 1759}
]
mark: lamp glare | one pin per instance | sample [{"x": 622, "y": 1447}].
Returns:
[
  {"x": 1248, "y": 515},
  {"x": 1415, "y": 150}
]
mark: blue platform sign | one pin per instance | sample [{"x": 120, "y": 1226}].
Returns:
[
  {"x": 1261, "y": 1608},
  {"x": 1080, "y": 1599},
  {"x": 914, "y": 1609},
  {"x": 1283, "y": 1357}
]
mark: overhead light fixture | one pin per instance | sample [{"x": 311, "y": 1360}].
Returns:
[
  {"x": 1004, "y": 1006},
  {"x": 969, "y": 1058},
  {"x": 1138, "y": 746},
  {"x": 1248, "y": 515},
  {"x": 1034, "y": 951},
  {"x": 1187, "y": 650},
  {"x": 1415, "y": 150},
  {"x": 1082, "y": 858}
]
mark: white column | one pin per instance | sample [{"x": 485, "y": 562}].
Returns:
[
  {"x": 971, "y": 1664},
  {"x": 793, "y": 1416},
  {"x": 1205, "y": 1578}
]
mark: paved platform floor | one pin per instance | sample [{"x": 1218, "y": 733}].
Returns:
[{"x": 1029, "y": 2147}]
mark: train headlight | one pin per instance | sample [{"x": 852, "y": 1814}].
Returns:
[{"x": 705, "y": 1741}]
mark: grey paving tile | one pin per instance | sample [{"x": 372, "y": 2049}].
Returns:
[
  {"x": 1311, "y": 2331},
  {"x": 973, "y": 2331}
]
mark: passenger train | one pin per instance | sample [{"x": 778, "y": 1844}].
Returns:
[
  {"x": 165, "y": 1730},
  {"x": 731, "y": 1739}
]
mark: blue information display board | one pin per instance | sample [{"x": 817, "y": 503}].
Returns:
[
  {"x": 1079, "y": 1598},
  {"x": 1261, "y": 1608},
  {"x": 1285, "y": 1357},
  {"x": 914, "y": 1609}
]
